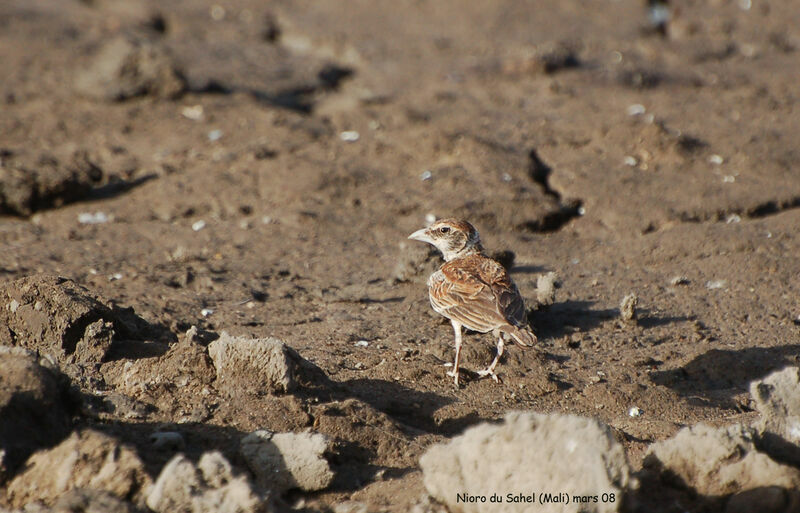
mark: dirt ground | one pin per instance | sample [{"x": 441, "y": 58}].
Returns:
[{"x": 265, "y": 184}]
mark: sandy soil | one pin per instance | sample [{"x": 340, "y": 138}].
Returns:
[{"x": 272, "y": 194}]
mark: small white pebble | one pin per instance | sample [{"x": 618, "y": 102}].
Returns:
[
  {"x": 349, "y": 136},
  {"x": 448, "y": 364},
  {"x": 637, "y": 109},
  {"x": 769, "y": 235},
  {"x": 93, "y": 218},
  {"x": 430, "y": 218},
  {"x": 506, "y": 177},
  {"x": 728, "y": 179},
  {"x": 194, "y": 112},
  {"x": 679, "y": 280},
  {"x": 115, "y": 277},
  {"x": 733, "y": 218},
  {"x": 629, "y": 161},
  {"x": 205, "y": 312},
  {"x": 635, "y": 411},
  {"x": 13, "y": 305},
  {"x": 214, "y": 135},
  {"x": 217, "y": 12},
  {"x": 716, "y": 159},
  {"x": 266, "y": 219},
  {"x": 745, "y": 5},
  {"x": 198, "y": 225},
  {"x": 426, "y": 175},
  {"x": 362, "y": 343},
  {"x": 575, "y": 261},
  {"x": 616, "y": 57},
  {"x": 581, "y": 211},
  {"x": 716, "y": 284},
  {"x": 374, "y": 124}
]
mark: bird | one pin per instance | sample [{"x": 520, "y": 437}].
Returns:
[{"x": 473, "y": 291}]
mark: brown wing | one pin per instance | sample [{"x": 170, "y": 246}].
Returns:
[{"x": 477, "y": 292}]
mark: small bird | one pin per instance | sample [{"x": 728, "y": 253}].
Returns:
[{"x": 473, "y": 291}]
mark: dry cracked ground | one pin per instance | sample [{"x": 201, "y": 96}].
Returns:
[{"x": 204, "y": 265}]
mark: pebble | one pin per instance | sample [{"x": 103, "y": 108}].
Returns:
[
  {"x": 13, "y": 305},
  {"x": 214, "y": 135},
  {"x": 637, "y": 109},
  {"x": 716, "y": 160},
  {"x": 350, "y": 136},
  {"x": 167, "y": 440},
  {"x": 426, "y": 175},
  {"x": 635, "y": 411},
  {"x": 362, "y": 343},
  {"x": 733, "y": 218},
  {"x": 205, "y": 312},
  {"x": 217, "y": 12},
  {"x": 198, "y": 225},
  {"x": 679, "y": 280},
  {"x": 195, "y": 112},
  {"x": 629, "y": 161},
  {"x": 728, "y": 179},
  {"x": 93, "y": 218},
  {"x": 115, "y": 277},
  {"x": 430, "y": 218},
  {"x": 716, "y": 284}
]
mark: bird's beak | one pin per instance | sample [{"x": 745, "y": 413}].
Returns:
[{"x": 421, "y": 235}]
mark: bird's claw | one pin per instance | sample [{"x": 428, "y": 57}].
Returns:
[
  {"x": 454, "y": 375},
  {"x": 490, "y": 372}
]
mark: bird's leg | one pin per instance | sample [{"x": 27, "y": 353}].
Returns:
[
  {"x": 489, "y": 371},
  {"x": 454, "y": 372}
]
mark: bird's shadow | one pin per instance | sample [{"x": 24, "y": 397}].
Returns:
[
  {"x": 567, "y": 317},
  {"x": 570, "y": 316}
]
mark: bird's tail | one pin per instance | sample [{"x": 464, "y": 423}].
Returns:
[{"x": 522, "y": 336}]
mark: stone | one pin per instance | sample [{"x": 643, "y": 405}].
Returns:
[
  {"x": 87, "y": 459},
  {"x": 777, "y": 399},
  {"x": 282, "y": 461},
  {"x": 260, "y": 365},
  {"x": 208, "y": 487},
  {"x": 528, "y": 453},
  {"x": 126, "y": 67},
  {"x": 719, "y": 462},
  {"x": 35, "y": 407}
]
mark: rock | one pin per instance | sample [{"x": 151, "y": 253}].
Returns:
[
  {"x": 127, "y": 67},
  {"x": 167, "y": 441},
  {"x": 35, "y": 408},
  {"x": 546, "y": 289},
  {"x": 627, "y": 308},
  {"x": 719, "y": 462},
  {"x": 28, "y": 185},
  {"x": 528, "y": 452},
  {"x": 91, "y": 501},
  {"x": 56, "y": 316},
  {"x": 86, "y": 460},
  {"x": 210, "y": 486},
  {"x": 545, "y": 58},
  {"x": 777, "y": 399},
  {"x": 282, "y": 461},
  {"x": 260, "y": 365}
]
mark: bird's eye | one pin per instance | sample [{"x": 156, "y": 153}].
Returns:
[{"x": 444, "y": 229}]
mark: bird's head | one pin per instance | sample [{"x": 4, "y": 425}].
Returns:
[{"x": 454, "y": 238}]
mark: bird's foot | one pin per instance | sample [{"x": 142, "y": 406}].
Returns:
[
  {"x": 490, "y": 372},
  {"x": 453, "y": 374}
]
